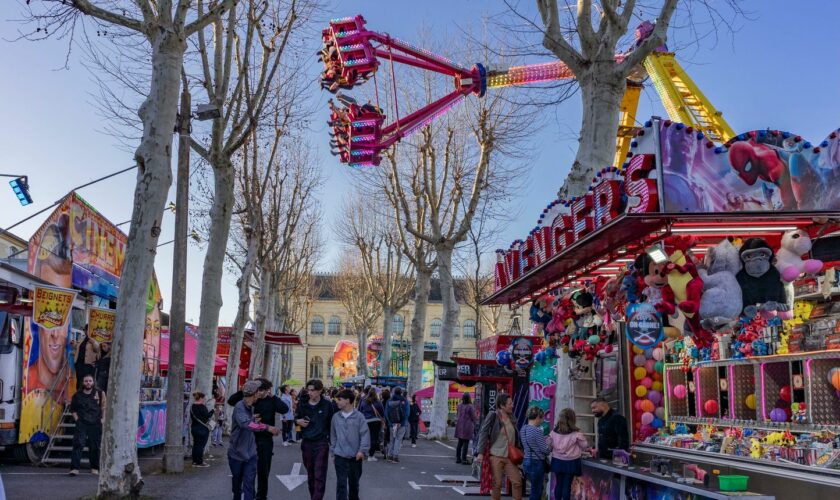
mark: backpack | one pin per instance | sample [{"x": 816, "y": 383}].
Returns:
[{"x": 395, "y": 411}]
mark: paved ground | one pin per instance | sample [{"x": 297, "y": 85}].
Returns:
[{"x": 412, "y": 478}]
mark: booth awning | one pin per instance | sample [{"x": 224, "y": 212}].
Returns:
[
  {"x": 275, "y": 338},
  {"x": 190, "y": 350},
  {"x": 455, "y": 391}
]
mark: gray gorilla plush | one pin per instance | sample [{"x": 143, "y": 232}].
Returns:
[{"x": 721, "y": 302}]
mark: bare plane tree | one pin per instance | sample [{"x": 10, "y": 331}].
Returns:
[
  {"x": 245, "y": 66},
  {"x": 388, "y": 272},
  {"x": 165, "y": 25},
  {"x": 351, "y": 288}
]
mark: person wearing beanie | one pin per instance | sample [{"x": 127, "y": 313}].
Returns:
[{"x": 242, "y": 449}]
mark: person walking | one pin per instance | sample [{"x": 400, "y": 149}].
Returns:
[
  {"x": 88, "y": 409},
  {"x": 535, "y": 446},
  {"x": 385, "y": 396},
  {"x": 103, "y": 366},
  {"x": 265, "y": 408},
  {"x": 199, "y": 428},
  {"x": 242, "y": 447},
  {"x": 464, "y": 427},
  {"x": 289, "y": 416},
  {"x": 396, "y": 414},
  {"x": 612, "y": 429},
  {"x": 314, "y": 416},
  {"x": 295, "y": 427},
  {"x": 373, "y": 412},
  {"x": 566, "y": 443},
  {"x": 349, "y": 441},
  {"x": 219, "y": 415},
  {"x": 497, "y": 435},
  {"x": 414, "y": 413}
]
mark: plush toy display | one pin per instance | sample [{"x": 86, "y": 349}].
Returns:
[
  {"x": 788, "y": 259},
  {"x": 539, "y": 313},
  {"x": 721, "y": 302},
  {"x": 761, "y": 284},
  {"x": 657, "y": 290},
  {"x": 561, "y": 311},
  {"x": 584, "y": 335}
]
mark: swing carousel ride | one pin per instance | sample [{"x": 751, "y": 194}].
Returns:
[{"x": 352, "y": 54}]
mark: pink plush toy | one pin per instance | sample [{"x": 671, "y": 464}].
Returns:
[{"x": 788, "y": 260}]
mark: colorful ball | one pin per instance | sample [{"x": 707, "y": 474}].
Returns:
[
  {"x": 646, "y": 405},
  {"x": 648, "y": 353},
  {"x": 656, "y": 386},
  {"x": 711, "y": 407},
  {"x": 657, "y": 423},
  {"x": 658, "y": 354},
  {"x": 647, "y": 418},
  {"x": 638, "y": 404},
  {"x": 655, "y": 397},
  {"x": 785, "y": 393},
  {"x": 639, "y": 360},
  {"x": 503, "y": 358},
  {"x": 641, "y": 391},
  {"x": 637, "y": 350},
  {"x": 659, "y": 366},
  {"x": 749, "y": 401},
  {"x": 650, "y": 365},
  {"x": 639, "y": 373},
  {"x": 657, "y": 376},
  {"x": 778, "y": 415},
  {"x": 679, "y": 391},
  {"x": 660, "y": 413},
  {"x": 647, "y": 382},
  {"x": 834, "y": 378},
  {"x": 594, "y": 339}
]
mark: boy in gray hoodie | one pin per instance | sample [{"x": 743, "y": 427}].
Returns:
[{"x": 349, "y": 442}]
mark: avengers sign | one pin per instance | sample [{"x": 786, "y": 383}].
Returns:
[{"x": 564, "y": 222}]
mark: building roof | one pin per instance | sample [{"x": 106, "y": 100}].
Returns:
[{"x": 324, "y": 286}]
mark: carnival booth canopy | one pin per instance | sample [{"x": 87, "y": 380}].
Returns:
[
  {"x": 190, "y": 350},
  {"x": 455, "y": 391}
]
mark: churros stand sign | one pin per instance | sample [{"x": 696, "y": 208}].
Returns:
[
  {"x": 101, "y": 324},
  {"x": 51, "y": 308}
]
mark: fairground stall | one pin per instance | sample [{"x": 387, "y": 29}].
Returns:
[
  {"x": 63, "y": 304},
  {"x": 696, "y": 286}
]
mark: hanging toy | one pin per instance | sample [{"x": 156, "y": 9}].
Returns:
[
  {"x": 585, "y": 324},
  {"x": 788, "y": 260},
  {"x": 657, "y": 290},
  {"x": 721, "y": 303}
]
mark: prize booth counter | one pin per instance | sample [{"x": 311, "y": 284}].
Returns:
[{"x": 711, "y": 271}]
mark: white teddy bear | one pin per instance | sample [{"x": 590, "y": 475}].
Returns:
[{"x": 788, "y": 260}]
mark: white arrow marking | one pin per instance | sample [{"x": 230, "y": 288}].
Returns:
[
  {"x": 418, "y": 486},
  {"x": 294, "y": 479}
]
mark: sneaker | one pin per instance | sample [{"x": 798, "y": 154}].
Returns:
[
  {"x": 285, "y": 443},
  {"x": 94, "y": 472},
  {"x": 73, "y": 472},
  {"x": 201, "y": 465},
  {"x": 414, "y": 445},
  {"x": 373, "y": 459},
  {"x": 396, "y": 460}
]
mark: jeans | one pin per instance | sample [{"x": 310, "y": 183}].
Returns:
[
  {"x": 461, "y": 450},
  {"x": 535, "y": 470},
  {"x": 316, "y": 456},
  {"x": 90, "y": 434},
  {"x": 217, "y": 433},
  {"x": 415, "y": 428},
  {"x": 244, "y": 473},
  {"x": 287, "y": 430},
  {"x": 347, "y": 471},
  {"x": 563, "y": 486},
  {"x": 500, "y": 466},
  {"x": 375, "y": 428},
  {"x": 397, "y": 435},
  {"x": 200, "y": 436},
  {"x": 265, "y": 450}
]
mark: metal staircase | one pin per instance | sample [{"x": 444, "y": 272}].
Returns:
[
  {"x": 683, "y": 99},
  {"x": 61, "y": 442},
  {"x": 583, "y": 392}
]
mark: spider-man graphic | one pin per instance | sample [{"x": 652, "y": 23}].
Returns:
[{"x": 753, "y": 161}]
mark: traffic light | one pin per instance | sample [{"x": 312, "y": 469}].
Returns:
[{"x": 20, "y": 186}]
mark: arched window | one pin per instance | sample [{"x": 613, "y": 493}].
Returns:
[
  {"x": 316, "y": 367},
  {"x": 457, "y": 331},
  {"x": 334, "y": 326},
  {"x": 436, "y": 326},
  {"x": 398, "y": 325},
  {"x": 469, "y": 329},
  {"x": 317, "y": 326}
]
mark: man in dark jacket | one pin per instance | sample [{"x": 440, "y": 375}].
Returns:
[
  {"x": 612, "y": 429},
  {"x": 265, "y": 408},
  {"x": 314, "y": 416},
  {"x": 396, "y": 414},
  {"x": 88, "y": 409}
]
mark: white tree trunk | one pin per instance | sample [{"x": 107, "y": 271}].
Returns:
[
  {"x": 563, "y": 393},
  {"x": 451, "y": 310},
  {"x": 286, "y": 363},
  {"x": 418, "y": 327},
  {"x": 361, "y": 362},
  {"x": 601, "y": 92},
  {"x": 263, "y": 304},
  {"x": 387, "y": 333},
  {"x": 211, "y": 282},
  {"x": 119, "y": 472}
]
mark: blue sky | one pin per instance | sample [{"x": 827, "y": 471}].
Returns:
[{"x": 777, "y": 71}]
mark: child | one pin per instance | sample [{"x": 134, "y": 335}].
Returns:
[
  {"x": 536, "y": 449},
  {"x": 349, "y": 443},
  {"x": 566, "y": 444}
]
